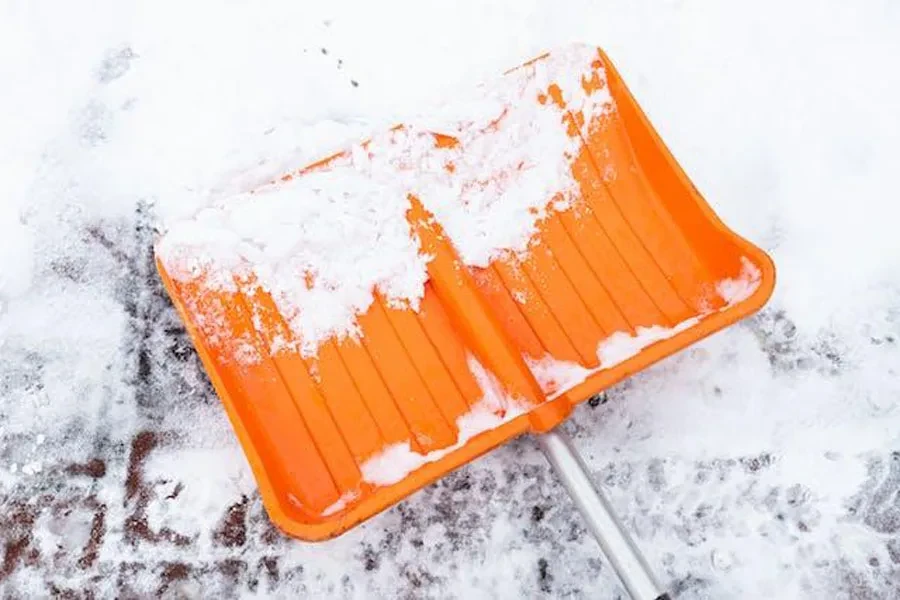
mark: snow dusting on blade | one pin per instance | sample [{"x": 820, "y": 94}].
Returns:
[
  {"x": 398, "y": 460},
  {"x": 494, "y": 409},
  {"x": 556, "y": 377},
  {"x": 742, "y": 287},
  {"x": 620, "y": 346},
  {"x": 324, "y": 241}
]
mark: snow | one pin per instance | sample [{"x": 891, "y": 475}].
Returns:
[
  {"x": 398, "y": 460},
  {"x": 556, "y": 376},
  {"x": 758, "y": 463},
  {"x": 318, "y": 244},
  {"x": 513, "y": 161},
  {"x": 738, "y": 289},
  {"x": 494, "y": 409},
  {"x": 509, "y": 165},
  {"x": 340, "y": 503},
  {"x": 621, "y": 346},
  {"x": 15, "y": 256}
]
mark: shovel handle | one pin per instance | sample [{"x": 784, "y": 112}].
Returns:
[{"x": 617, "y": 545}]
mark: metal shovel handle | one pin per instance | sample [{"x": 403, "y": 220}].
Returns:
[{"x": 617, "y": 545}]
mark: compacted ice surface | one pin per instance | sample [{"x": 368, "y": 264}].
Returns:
[{"x": 762, "y": 462}]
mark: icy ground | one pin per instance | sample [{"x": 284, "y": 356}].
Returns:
[{"x": 763, "y": 463}]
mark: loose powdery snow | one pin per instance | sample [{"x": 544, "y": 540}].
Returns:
[{"x": 324, "y": 241}]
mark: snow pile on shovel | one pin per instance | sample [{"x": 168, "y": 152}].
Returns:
[{"x": 323, "y": 241}]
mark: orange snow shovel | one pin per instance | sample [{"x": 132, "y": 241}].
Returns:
[{"x": 636, "y": 267}]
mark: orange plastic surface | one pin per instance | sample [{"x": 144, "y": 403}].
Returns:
[{"x": 641, "y": 249}]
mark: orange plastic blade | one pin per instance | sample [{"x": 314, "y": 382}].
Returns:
[{"x": 632, "y": 270}]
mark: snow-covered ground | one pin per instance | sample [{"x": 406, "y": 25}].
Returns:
[{"x": 764, "y": 462}]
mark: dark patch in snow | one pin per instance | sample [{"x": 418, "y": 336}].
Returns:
[
  {"x": 139, "y": 493},
  {"x": 893, "y": 548},
  {"x": 94, "y": 468},
  {"x": 94, "y": 123},
  {"x": 598, "y": 400},
  {"x": 98, "y": 530},
  {"x": 269, "y": 564},
  {"x": 173, "y": 572},
  {"x": 689, "y": 586},
  {"x": 141, "y": 445},
  {"x": 878, "y": 502},
  {"x": 787, "y": 350},
  {"x": 232, "y": 569},
  {"x": 115, "y": 64},
  {"x": 232, "y": 532},
  {"x": 179, "y": 487},
  {"x": 755, "y": 463},
  {"x": 545, "y": 578},
  {"x": 370, "y": 558},
  {"x": 17, "y": 524}
]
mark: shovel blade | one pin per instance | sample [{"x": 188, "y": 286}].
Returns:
[{"x": 633, "y": 268}]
